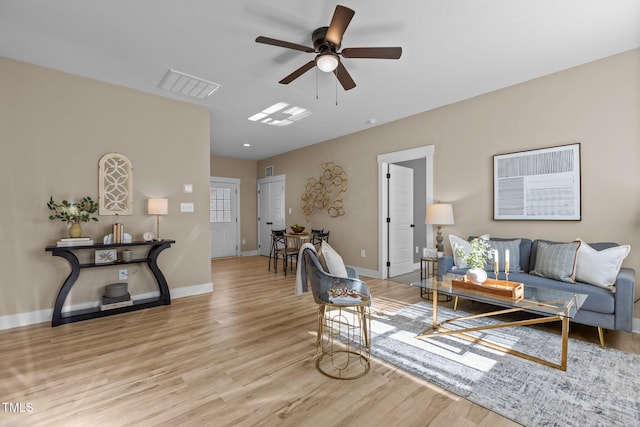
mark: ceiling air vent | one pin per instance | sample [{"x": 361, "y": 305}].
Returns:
[{"x": 184, "y": 84}]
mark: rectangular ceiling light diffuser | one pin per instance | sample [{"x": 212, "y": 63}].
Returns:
[
  {"x": 185, "y": 84},
  {"x": 268, "y": 116}
]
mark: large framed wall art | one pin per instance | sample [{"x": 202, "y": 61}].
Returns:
[{"x": 542, "y": 184}]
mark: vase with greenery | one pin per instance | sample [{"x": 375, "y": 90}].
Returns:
[
  {"x": 74, "y": 213},
  {"x": 477, "y": 258}
]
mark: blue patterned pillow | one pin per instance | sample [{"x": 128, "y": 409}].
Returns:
[
  {"x": 514, "y": 255},
  {"x": 557, "y": 261}
]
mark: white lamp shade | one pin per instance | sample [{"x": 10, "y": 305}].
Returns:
[
  {"x": 327, "y": 62},
  {"x": 158, "y": 206},
  {"x": 439, "y": 214}
]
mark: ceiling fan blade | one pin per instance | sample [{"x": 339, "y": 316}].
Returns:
[
  {"x": 297, "y": 73},
  {"x": 281, "y": 43},
  {"x": 344, "y": 77},
  {"x": 372, "y": 52},
  {"x": 339, "y": 23}
]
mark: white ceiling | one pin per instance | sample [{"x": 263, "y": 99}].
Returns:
[{"x": 452, "y": 50}]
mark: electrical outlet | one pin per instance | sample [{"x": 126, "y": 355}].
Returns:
[
  {"x": 362, "y": 253},
  {"x": 417, "y": 250},
  {"x": 123, "y": 274}
]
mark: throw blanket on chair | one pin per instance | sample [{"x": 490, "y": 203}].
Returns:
[{"x": 301, "y": 277}]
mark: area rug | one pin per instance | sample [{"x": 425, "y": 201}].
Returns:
[{"x": 601, "y": 387}]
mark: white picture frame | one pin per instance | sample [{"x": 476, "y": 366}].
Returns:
[
  {"x": 106, "y": 256},
  {"x": 429, "y": 252},
  {"x": 541, "y": 184}
]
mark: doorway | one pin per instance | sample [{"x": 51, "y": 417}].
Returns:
[
  {"x": 384, "y": 160},
  {"x": 399, "y": 218},
  {"x": 270, "y": 210},
  {"x": 224, "y": 205}
]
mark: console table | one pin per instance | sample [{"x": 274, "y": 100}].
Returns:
[{"x": 67, "y": 252}]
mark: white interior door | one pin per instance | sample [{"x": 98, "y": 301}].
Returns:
[
  {"x": 400, "y": 223},
  {"x": 223, "y": 217},
  {"x": 270, "y": 210}
]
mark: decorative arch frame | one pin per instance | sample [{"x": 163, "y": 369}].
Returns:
[{"x": 115, "y": 180}]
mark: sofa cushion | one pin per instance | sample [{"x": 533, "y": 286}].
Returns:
[
  {"x": 331, "y": 261},
  {"x": 456, "y": 241},
  {"x": 514, "y": 255},
  {"x": 600, "y": 268},
  {"x": 556, "y": 260},
  {"x": 525, "y": 251},
  {"x": 459, "y": 242}
]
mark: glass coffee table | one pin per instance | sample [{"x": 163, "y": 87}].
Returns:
[{"x": 547, "y": 305}]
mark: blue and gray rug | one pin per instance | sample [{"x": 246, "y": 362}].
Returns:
[{"x": 601, "y": 387}]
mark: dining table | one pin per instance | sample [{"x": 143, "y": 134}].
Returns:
[{"x": 298, "y": 239}]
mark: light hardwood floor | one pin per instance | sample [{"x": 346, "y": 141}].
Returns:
[{"x": 243, "y": 355}]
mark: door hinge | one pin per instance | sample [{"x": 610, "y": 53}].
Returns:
[
  {"x": 388, "y": 264},
  {"x": 388, "y": 176},
  {"x": 388, "y": 219}
]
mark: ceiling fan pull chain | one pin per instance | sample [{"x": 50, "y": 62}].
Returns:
[{"x": 337, "y": 71}]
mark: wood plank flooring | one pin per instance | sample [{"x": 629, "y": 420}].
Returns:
[{"x": 243, "y": 355}]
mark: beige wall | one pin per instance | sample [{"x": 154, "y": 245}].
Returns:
[
  {"x": 54, "y": 128},
  {"x": 245, "y": 170},
  {"x": 597, "y": 104}
]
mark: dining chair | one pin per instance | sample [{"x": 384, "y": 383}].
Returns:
[
  {"x": 280, "y": 249},
  {"x": 317, "y": 236}
]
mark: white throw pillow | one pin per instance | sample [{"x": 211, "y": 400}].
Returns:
[
  {"x": 332, "y": 260},
  {"x": 459, "y": 242},
  {"x": 456, "y": 241},
  {"x": 600, "y": 268}
]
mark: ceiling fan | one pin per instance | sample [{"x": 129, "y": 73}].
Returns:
[{"x": 326, "y": 45}]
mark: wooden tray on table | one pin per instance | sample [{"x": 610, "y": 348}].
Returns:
[{"x": 493, "y": 287}]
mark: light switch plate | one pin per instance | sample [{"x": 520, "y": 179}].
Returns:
[
  {"x": 186, "y": 207},
  {"x": 187, "y": 188}
]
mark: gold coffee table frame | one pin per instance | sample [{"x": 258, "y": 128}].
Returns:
[{"x": 560, "y": 309}]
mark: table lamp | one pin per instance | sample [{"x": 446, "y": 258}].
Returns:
[
  {"x": 158, "y": 207},
  {"x": 439, "y": 214}
]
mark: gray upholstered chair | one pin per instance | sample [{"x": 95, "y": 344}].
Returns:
[
  {"x": 321, "y": 281},
  {"x": 340, "y": 354}
]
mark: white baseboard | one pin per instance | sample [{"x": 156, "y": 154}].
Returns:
[
  {"x": 636, "y": 325},
  {"x": 249, "y": 253},
  {"x": 187, "y": 291},
  {"x": 40, "y": 316},
  {"x": 366, "y": 272}
]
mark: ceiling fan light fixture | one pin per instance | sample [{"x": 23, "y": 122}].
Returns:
[{"x": 327, "y": 62}]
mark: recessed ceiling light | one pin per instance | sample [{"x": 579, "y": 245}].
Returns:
[
  {"x": 185, "y": 84},
  {"x": 247, "y": 145},
  {"x": 275, "y": 116},
  {"x": 372, "y": 121}
]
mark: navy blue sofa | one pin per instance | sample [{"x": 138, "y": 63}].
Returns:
[{"x": 603, "y": 308}]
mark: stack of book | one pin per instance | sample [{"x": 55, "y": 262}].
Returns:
[
  {"x": 118, "y": 233},
  {"x": 115, "y": 296},
  {"x": 74, "y": 241},
  {"x": 109, "y": 303}
]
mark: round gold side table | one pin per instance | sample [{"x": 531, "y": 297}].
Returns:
[{"x": 344, "y": 339}]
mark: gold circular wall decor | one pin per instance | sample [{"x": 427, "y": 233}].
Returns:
[{"x": 326, "y": 192}]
